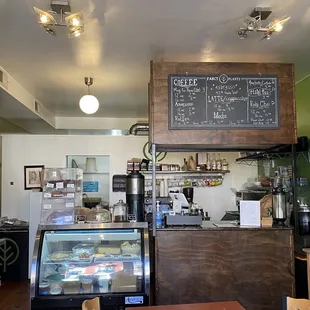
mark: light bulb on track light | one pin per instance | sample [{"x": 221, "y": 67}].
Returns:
[
  {"x": 44, "y": 17},
  {"x": 75, "y": 22},
  {"x": 278, "y": 27},
  {"x": 75, "y": 31}
]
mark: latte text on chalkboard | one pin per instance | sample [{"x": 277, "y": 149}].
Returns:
[{"x": 223, "y": 101}]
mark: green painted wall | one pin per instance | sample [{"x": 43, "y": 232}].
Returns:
[{"x": 302, "y": 93}]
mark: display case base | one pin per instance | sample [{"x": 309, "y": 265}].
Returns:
[{"x": 107, "y": 302}]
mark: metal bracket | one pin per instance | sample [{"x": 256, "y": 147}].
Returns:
[
  {"x": 60, "y": 6},
  {"x": 263, "y": 12}
]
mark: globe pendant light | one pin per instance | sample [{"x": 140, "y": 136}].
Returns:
[{"x": 89, "y": 104}]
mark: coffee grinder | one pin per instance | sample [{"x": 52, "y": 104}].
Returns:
[
  {"x": 135, "y": 196},
  {"x": 181, "y": 203}
]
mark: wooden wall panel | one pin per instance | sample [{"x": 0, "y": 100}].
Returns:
[
  {"x": 221, "y": 138},
  {"x": 254, "y": 267}
]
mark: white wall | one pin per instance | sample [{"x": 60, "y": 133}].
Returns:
[
  {"x": 217, "y": 200},
  {"x": 51, "y": 151}
]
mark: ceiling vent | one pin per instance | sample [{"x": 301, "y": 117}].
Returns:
[
  {"x": 3, "y": 79},
  {"x": 37, "y": 106}
]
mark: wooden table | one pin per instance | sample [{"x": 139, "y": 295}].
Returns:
[{"x": 226, "y": 305}]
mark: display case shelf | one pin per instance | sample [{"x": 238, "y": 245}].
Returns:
[
  {"x": 93, "y": 261},
  {"x": 69, "y": 262},
  {"x": 84, "y": 237}
]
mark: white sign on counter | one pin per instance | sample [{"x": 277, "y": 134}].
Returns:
[{"x": 250, "y": 213}]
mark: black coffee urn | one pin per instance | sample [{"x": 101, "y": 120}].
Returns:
[{"x": 135, "y": 196}]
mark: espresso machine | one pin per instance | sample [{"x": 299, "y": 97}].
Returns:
[
  {"x": 279, "y": 212},
  {"x": 184, "y": 200},
  {"x": 189, "y": 195}
]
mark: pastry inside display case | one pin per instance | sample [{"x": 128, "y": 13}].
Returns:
[{"x": 93, "y": 261}]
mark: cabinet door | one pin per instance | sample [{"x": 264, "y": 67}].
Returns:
[{"x": 14, "y": 255}]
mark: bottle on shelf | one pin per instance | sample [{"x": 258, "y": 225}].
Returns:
[
  {"x": 162, "y": 189},
  {"x": 225, "y": 166},
  {"x": 208, "y": 166},
  {"x": 218, "y": 162},
  {"x": 159, "y": 216},
  {"x": 213, "y": 163}
]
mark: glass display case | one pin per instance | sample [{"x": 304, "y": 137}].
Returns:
[
  {"x": 62, "y": 195},
  {"x": 72, "y": 263}
]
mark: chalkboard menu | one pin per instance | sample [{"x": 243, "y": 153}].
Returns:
[{"x": 223, "y": 101}]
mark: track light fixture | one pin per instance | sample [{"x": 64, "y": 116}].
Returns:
[
  {"x": 254, "y": 23},
  {"x": 61, "y": 8}
]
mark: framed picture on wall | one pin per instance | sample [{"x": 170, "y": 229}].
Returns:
[{"x": 33, "y": 176}]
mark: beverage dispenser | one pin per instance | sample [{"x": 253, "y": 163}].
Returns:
[
  {"x": 135, "y": 196},
  {"x": 279, "y": 213}
]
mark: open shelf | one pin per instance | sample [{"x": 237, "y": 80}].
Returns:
[
  {"x": 191, "y": 173},
  {"x": 277, "y": 152},
  {"x": 96, "y": 172}
]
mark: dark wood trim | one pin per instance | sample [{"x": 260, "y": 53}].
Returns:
[{"x": 208, "y": 139}]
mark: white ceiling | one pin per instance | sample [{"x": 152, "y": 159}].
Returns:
[{"x": 122, "y": 36}]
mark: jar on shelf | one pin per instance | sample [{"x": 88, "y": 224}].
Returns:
[
  {"x": 102, "y": 215},
  {"x": 225, "y": 165},
  {"x": 120, "y": 211}
]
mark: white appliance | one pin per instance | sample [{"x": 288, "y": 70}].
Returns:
[
  {"x": 179, "y": 200},
  {"x": 34, "y": 221}
]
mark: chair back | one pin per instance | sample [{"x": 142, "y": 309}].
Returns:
[
  {"x": 295, "y": 304},
  {"x": 92, "y": 304}
]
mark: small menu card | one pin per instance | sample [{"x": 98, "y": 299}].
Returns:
[{"x": 250, "y": 213}]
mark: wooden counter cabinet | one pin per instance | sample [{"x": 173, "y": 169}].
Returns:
[{"x": 253, "y": 266}]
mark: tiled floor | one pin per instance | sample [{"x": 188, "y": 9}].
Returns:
[{"x": 14, "y": 295}]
